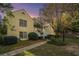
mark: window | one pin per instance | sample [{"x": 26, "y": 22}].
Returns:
[
  {"x": 22, "y": 23},
  {"x": 23, "y": 34}
]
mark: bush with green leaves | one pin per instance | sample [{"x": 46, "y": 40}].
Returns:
[
  {"x": 55, "y": 39},
  {"x": 50, "y": 37},
  {"x": 33, "y": 36},
  {"x": 8, "y": 40}
]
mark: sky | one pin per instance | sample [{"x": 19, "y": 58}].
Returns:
[{"x": 31, "y": 8}]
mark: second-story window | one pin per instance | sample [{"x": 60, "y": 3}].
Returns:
[{"x": 22, "y": 23}]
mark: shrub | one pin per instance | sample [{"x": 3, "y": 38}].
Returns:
[
  {"x": 10, "y": 40},
  {"x": 57, "y": 36},
  {"x": 50, "y": 37},
  {"x": 33, "y": 36},
  {"x": 56, "y": 41}
]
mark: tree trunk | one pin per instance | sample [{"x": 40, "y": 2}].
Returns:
[{"x": 63, "y": 36}]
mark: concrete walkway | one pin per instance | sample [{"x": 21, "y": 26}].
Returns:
[{"x": 11, "y": 53}]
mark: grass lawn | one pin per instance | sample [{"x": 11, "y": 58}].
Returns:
[
  {"x": 46, "y": 50},
  {"x": 70, "y": 49},
  {"x": 20, "y": 44}
]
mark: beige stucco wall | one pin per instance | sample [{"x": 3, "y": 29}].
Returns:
[{"x": 14, "y": 21}]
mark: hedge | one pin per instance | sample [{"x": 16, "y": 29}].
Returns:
[
  {"x": 10, "y": 40},
  {"x": 33, "y": 36}
]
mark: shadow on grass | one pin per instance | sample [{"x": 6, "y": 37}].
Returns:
[{"x": 57, "y": 42}]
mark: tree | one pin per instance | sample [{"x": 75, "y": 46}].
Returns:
[
  {"x": 75, "y": 23},
  {"x": 64, "y": 14},
  {"x": 5, "y": 8},
  {"x": 38, "y": 25},
  {"x": 75, "y": 26}
]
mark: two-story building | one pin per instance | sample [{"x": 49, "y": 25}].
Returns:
[{"x": 20, "y": 24}]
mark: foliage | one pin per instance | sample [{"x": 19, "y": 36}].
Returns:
[
  {"x": 56, "y": 41},
  {"x": 3, "y": 26},
  {"x": 75, "y": 26},
  {"x": 50, "y": 36},
  {"x": 5, "y": 8},
  {"x": 61, "y": 16},
  {"x": 33, "y": 36},
  {"x": 64, "y": 14},
  {"x": 37, "y": 25},
  {"x": 8, "y": 40}
]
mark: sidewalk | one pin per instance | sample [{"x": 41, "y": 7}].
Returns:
[{"x": 11, "y": 53}]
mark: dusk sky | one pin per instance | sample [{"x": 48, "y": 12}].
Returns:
[{"x": 31, "y": 8}]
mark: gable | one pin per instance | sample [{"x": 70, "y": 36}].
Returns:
[{"x": 21, "y": 13}]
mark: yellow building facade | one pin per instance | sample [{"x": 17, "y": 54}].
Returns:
[{"x": 20, "y": 24}]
